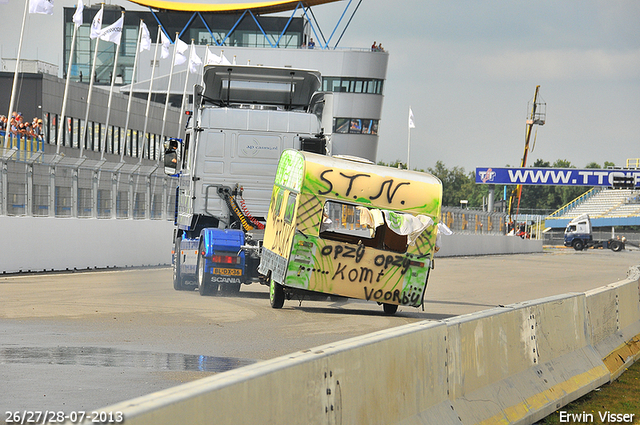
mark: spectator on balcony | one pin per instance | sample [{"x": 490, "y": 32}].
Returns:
[
  {"x": 22, "y": 129},
  {"x": 37, "y": 129},
  {"x": 13, "y": 124},
  {"x": 29, "y": 129},
  {"x": 3, "y": 123}
]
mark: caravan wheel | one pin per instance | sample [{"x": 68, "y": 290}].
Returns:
[
  {"x": 390, "y": 309},
  {"x": 276, "y": 294}
]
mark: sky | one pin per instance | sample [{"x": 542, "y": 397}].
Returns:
[{"x": 468, "y": 69}]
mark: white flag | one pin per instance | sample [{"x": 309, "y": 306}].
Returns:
[
  {"x": 223, "y": 59},
  {"x": 77, "y": 17},
  {"x": 181, "y": 47},
  {"x": 145, "y": 39},
  {"x": 211, "y": 58},
  {"x": 194, "y": 60},
  {"x": 96, "y": 25},
  {"x": 113, "y": 32},
  {"x": 411, "y": 123},
  {"x": 166, "y": 42},
  {"x": 41, "y": 6}
]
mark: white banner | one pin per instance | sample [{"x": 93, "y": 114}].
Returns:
[
  {"x": 181, "y": 47},
  {"x": 77, "y": 17},
  {"x": 113, "y": 32},
  {"x": 41, "y": 6},
  {"x": 96, "y": 25},
  {"x": 194, "y": 60},
  {"x": 145, "y": 39},
  {"x": 166, "y": 42}
]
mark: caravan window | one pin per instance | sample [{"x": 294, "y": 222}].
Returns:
[
  {"x": 279, "y": 197},
  {"x": 358, "y": 224},
  {"x": 291, "y": 207},
  {"x": 343, "y": 219}
]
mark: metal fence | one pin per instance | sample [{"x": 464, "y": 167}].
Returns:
[
  {"x": 44, "y": 185},
  {"x": 40, "y": 185},
  {"x": 467, "y": 221}
]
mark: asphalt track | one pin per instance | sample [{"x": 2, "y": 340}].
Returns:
[{"x": 85, "y": 340}]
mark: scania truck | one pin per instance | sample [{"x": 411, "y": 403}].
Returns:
[{"x": 244, "y": 116}]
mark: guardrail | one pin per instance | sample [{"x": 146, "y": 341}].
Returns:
[
  {"x": 33, "y": 183},
  {"x": 467, "y": 221},
  {"x": 22, "y": 142},
  {"x": 512, "y": 364}
]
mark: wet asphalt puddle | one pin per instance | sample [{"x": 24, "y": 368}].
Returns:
[{"x": 113, "y": 357}]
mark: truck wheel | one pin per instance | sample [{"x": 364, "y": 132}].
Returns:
[
  {"x": 615, "y": 246},
  {"x": 204, "y": 279},
  {"x": 178, "y": 283},
  {"x": 578, "y": 245},
  {"x": 389, "y": 309},
  {"x": 276, "y": 294}
]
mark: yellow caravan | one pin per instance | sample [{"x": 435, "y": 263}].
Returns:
[{"x": 347, "y": 227}]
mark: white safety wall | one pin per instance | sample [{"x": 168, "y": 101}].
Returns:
[
  {"x": 48, "y": 243},
  {"x": 54, "y": 243}
]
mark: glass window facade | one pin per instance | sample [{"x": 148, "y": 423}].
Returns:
[
  {"x": 204, "y": 28},
  {"x": 352, "y": 85},
  {"x": 355, "y": 126},
  {"x": 95, "y": 137}
]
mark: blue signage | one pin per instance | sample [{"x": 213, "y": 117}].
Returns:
[{"x": 554, "y": 176}]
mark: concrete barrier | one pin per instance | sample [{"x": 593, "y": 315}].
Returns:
[
  {"x": 509, "y": 365},
  {"x": 614, "y": 322},
  {"x": 521, "y": 363},
  {"x": 463, "y": 244},
  {"x": 47, "y": 243},
  {"x": 376, "y": 378}
]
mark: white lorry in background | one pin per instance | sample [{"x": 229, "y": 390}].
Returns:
[
  {"x": 578, "y": 234},
  {"x": 243, "y": 118}
]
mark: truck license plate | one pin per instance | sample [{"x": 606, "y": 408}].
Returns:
[{"x": 227, "y": 272}]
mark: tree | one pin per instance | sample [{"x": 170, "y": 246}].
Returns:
[
  {"x": 458, "y": 185},
  {"x": 455, "y": 183}
]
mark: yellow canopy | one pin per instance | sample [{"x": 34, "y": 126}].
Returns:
[{"x": 259, "y": 7}]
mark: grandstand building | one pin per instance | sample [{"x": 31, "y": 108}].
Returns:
[{"x": 248, "y": 33}]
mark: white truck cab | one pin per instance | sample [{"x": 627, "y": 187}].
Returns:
[{"x": 243, "y": 118}]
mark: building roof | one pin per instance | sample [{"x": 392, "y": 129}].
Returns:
[{"x": 259, "y": 7}]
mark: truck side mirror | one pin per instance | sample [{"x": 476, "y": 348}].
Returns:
[
  {"x": 170, "y": 161},
  {"x": 197, "y": 97}
]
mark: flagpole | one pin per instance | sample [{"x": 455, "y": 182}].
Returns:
[
  {"x": 113, "y": 79},
  {"x": 166, "y": 103},
  {"x": 91, "y": 78},
  {"x": 184, "y": 92},
  {"x": 409, "y": 141},
  {"x": 15, "y": 78},
  {"x": 86, "y": 116},
  {"x": 66, "y": 91},
  {"x": 133, "y": 78},
  {"x": 153, "y": 70}
]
